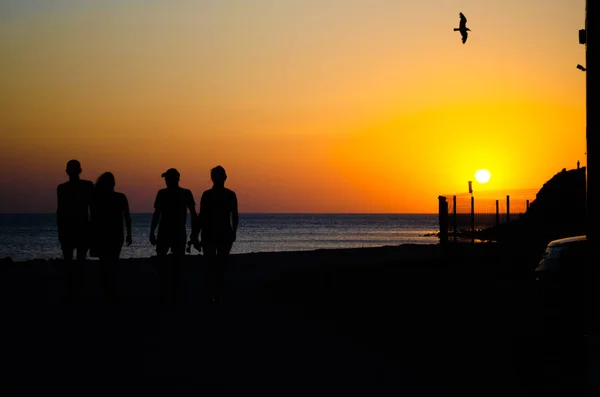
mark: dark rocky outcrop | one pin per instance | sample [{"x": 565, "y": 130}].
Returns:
[{"x": 559, "y": 210}]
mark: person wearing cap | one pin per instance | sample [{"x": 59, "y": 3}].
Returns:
[
  {"x": 73, "y": 212},
  {"x": 218, "y": 222},
  {"x": 170, "y": 215}
]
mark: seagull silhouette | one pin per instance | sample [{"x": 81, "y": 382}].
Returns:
[{"x": 463, "y": 29}]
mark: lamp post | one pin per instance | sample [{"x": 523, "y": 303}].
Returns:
[{"x": 592, "y": 17}]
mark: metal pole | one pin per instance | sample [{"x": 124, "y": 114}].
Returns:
[
  {"x": 592, "y": 18},
  {"x": 507, "y": 209},
  {"x": 526, "y": 205}
]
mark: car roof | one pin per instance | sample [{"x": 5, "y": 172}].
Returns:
[{"x": 568, "y": 240}]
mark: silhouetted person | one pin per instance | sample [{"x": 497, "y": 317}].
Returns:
[
  {"x": 170, "y": 213},
  {"x": 108, "y": 211},
  {"x": 218, "y": 221},
  {"x": 72, "y": 218},
  {"x": 72, "y": 215}
]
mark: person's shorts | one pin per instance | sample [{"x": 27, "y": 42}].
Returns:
[
  {"x": 73, "y": 238},
  {"x": 173, "y": 240},
  {"x": 217, "y": 243}
]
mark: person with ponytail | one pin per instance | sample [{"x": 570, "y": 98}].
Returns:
[{"x": 108, "y": 211}]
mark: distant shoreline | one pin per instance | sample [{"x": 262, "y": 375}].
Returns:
[
  {"x": 261, "y": 213},
  {"x": 30, "y": 236}
]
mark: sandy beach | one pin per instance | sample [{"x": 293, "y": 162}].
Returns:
[{"x": 402, "y": 320}]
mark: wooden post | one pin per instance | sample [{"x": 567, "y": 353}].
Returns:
[
  {"x": 497, "y": 220},
  {"x": 507, "y": 209},
  {"x": 455, "y": 230},
  {"x": 472, "y": 219},
  {"x": 497, "y": 213},
  {"x": 526, "y": 205},
  {"x": 443, "y": 219}
]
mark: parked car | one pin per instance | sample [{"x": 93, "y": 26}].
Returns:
[
  {"x": 559, "y": 277},
  {"x": 561, "y": 255}
]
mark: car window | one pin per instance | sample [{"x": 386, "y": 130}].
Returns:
[
  {"x": 565, "y": 258},
  {"x": 550, "y": 260}
]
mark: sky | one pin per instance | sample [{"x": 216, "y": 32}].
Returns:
[{"x": 335, "y": 106}]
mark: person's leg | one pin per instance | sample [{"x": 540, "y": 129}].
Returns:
[
  {"x": 209, "y": 249},
  {"x": 78, "y": 242},
  {"x": 81, "y": 253},
  {"x": 109, "y": 270},
  {"x": 72, "y": 242},
  {"x": 223, "y": 250},
  {"x": 162, "y": 249},
  {"x": 67, "y": 269},
  {"x": 67, "y": 253},
  {"x": 113, "y": 275},
  {"x": 104, "y": 265},
  {"x": 179, "y": 243},
  {"x": 79, "y": 269},
  {"x": 178, "y": 250},
  {"x": 67, "y": 244},
  {"x": 176, "y": 270}
]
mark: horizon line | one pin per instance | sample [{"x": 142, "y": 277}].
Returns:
[{"x": 260, "y": 213}]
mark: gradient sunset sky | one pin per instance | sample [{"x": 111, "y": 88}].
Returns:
[{"x": 311, "y": 106}]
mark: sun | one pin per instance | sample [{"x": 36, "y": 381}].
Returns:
[{"x": 482, "y": 176}]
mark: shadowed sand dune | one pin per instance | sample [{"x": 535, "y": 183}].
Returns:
[{"x": 406, "y": 320}]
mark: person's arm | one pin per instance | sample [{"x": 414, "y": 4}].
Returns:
[
  {"x": 127, "y": 216},
  {"x": 59, "y": 210},
  {"x": 195, "y": 221},
  {"x": 200, "y": 222},
  {"x": 90, "y": 197},
  {"x": 235, "y": 217},
  {"x": 192, "y": 205},
  {"x": 195, "y": 228},
  {"x": 155, "y": 219}
]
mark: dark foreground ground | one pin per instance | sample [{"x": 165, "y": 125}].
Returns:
[{"x": 404, "y": 321}]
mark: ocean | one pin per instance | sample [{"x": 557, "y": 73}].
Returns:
[{"x": 34, "y": 236}]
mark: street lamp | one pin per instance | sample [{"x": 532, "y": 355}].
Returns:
[{"x": 590, "y": 34}]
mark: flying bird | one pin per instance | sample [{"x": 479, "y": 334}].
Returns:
[{"x": 463, "y": 29}]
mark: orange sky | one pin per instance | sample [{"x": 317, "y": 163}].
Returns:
[{"x": 312, "y": 106}]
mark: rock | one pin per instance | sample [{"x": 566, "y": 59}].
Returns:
[{"x": 559, "y": 210}]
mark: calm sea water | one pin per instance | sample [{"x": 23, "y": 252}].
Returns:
[{"x": 34, "y": 236}]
